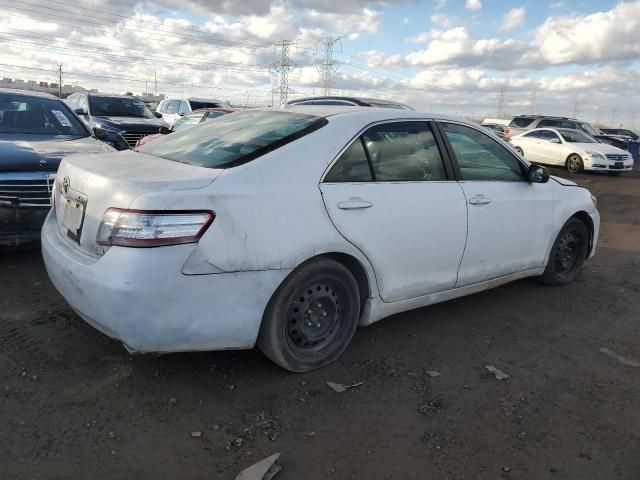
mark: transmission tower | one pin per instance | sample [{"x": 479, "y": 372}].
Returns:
[
  {"x": 501, "y": 102},
  {"x": 328, "y": 66},
  {"x": 284, "y": 67}
]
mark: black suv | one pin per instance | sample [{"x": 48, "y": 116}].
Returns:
[
  {"x": 36, "y": 131},
  {"x": 122, "y": 120},
  {"x": 523, "y": 123}
]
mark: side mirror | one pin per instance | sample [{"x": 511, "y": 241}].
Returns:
[
  {"x": 164, "y": 130},
  {"x": 100, "y": 133},
  {"x": 158, "y": 114},
  {"x": 555, "y": 140},
  {"x": 538, "y": 174},
  {"x": 80, "y": 111}
]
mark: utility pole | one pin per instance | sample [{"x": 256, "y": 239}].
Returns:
[
  {"x": 60, "y": 81},
  {"x": 575, "y": 109},
  {"x": 501, "y": 102},
  {"x": 328, "y": 66},
  {"x": 155, "y": 84},
  {"x": 613, "y": 117},
  {"x": 532, "y": 101},
  {"x": 284, "y": 67}
]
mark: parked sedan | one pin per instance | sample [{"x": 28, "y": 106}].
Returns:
[
  {"x": 190, "y": 120},
  {"x": 572, "y": 149},
  {"x": 290, "y": 227}
]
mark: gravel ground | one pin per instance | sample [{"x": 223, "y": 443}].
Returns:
[{"x": 75, "y": 405}]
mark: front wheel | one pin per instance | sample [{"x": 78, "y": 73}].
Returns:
[
  {"x": 568, "y": 254},
  {"x": 574, "y": 164},
  {"x": 312, "y": 317}
]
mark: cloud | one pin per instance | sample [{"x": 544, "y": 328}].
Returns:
[
  {"x": 442, "y": 20},
  {"x": 473, "y": 4},
  {"x": 365, "y": 21},
  {"x": 513, "y": 19}
]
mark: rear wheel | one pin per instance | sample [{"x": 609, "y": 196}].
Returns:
[
  {"x": 574, "y": 163},
  {"x": 311, "y": 318},
  {"x": 568, "y": 254}
]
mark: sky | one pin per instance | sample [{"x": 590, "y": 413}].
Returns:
[{"x": 472, "y": 58}]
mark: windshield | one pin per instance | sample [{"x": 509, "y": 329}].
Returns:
[
  {"x": 119, "y": 107},
  {"x": 187, "y": 121},
  {"x": 577, "y": 137},
  {"x": 32, "y": 115},
  {"x": 589, "y": 129},
  {"x": 196, "y": 105},
  {"x": 231, "y": 140}
]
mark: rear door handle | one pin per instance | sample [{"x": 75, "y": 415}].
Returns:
[
  {"x": 354, "y": 204},
  {"x": 479, "y": 200}
]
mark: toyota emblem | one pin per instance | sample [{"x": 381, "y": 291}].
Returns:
[{"x": 66, "y": 183}]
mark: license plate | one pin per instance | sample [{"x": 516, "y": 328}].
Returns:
[
  {"x": 619, "y": 164},
  {"x": 73, "y": 217}
]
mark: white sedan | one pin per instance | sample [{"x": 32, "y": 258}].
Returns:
[
  {"x": 572, "y": 149},
  {"x": 288, "y": 228}
]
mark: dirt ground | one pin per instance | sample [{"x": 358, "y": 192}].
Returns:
[{"x": 75, "y": 405}]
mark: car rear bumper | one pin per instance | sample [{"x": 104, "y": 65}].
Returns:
[
  {"x": 19, "y": 225},
  {"x": 140, "y": 297}
]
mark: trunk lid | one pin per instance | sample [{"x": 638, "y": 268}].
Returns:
[{"x": 86, "y": 185}]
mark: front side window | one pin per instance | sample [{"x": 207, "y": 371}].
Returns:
[
  {"x": 234, "y": 139},
  {"x": 184, "y": 108},
  {"x": 35, "y": 115},
  {"x": 352, "y": 166},
  {"x": 480, "y": 157},
  {"x": 214, "y": 114},
  {"x": 119, "y": 107},
  {"x": 588, "y": 129},
  {"x": 533, "y": 134},
  {"x": 404, "y": 151},
  {"x": 548, "y": 135},
  {"x": 83, "y": 104}
]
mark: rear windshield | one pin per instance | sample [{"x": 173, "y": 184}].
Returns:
[
  {"x": 231, "y": 140},
  {"x": 37, "y": 116},
  {"x": 521, "y": 122}
]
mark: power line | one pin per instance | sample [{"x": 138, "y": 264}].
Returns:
[{"x": 328, "y": 66}]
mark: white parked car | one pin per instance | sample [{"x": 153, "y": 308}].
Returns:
[
  {"x": 572, "y": 149},
  {"x": 288, "y": 228},
  {"x": 172, "y": 109}
]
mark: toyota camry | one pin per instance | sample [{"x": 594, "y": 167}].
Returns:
[{"x": 288, "y": 228}]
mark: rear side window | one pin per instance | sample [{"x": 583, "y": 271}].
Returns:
[
  {"x": 550, "y": 123},
  {"x": 196, "y": 105},
  {"x": 173, "y": 106},
  {"x": 521, "y": 122},
  {"x": 534, "y": 134},
  {"x": 404, "y": 151},
  {"x": 352, "y": 166},
  {"x": 235, "y": 139}
]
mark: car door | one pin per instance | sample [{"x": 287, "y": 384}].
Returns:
[
  {"x": 509, "y": 219},
  {"x": 530, "y": 143},
  {"x": 551, "y": 148},
  {"x": 391, "y": 194}
]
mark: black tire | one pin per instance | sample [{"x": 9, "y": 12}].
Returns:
[
  {"x": 574, "y": 163},
  {"x": 568, "y": 254},
  {"x": 312, "y": 316},
  {"x": 520, "y": 151}
]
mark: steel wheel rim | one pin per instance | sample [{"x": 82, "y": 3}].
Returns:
[
  {"x": 315, "y": 316},
  {"x": 567, "y": 251},
  {"x": 574, "y": 164}
]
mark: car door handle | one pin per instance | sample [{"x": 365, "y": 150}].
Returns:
[
  {"x": 354, "y": 204},
  {"x": 479, "y": 200}
]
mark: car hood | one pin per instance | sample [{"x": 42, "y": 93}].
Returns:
[
  {"x": 21, "y": 152},
  {"x": 131, "y": 123},
  {"x": 600, "y": 148}
]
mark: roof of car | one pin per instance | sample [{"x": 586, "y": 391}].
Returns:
[
  {"x": 363, "y": 100},
  {"x": 28, "y": 93},
  {"x": 373, "y": 113},
  {"x": 214, "y": 109}
]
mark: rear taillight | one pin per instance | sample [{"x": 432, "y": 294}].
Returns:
[{"x": 151, "y": 228}]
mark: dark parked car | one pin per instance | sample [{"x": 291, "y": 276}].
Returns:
[
  {"x": 523, "y": 123},
  {"x": 350, "y": 101},
  {"x": 126, "y": 119},
  {"x": 36, "y": 131},
  {"x": 621, "y": 132}
]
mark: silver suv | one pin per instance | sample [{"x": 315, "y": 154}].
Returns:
[{"x": 174, "y": 108}]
